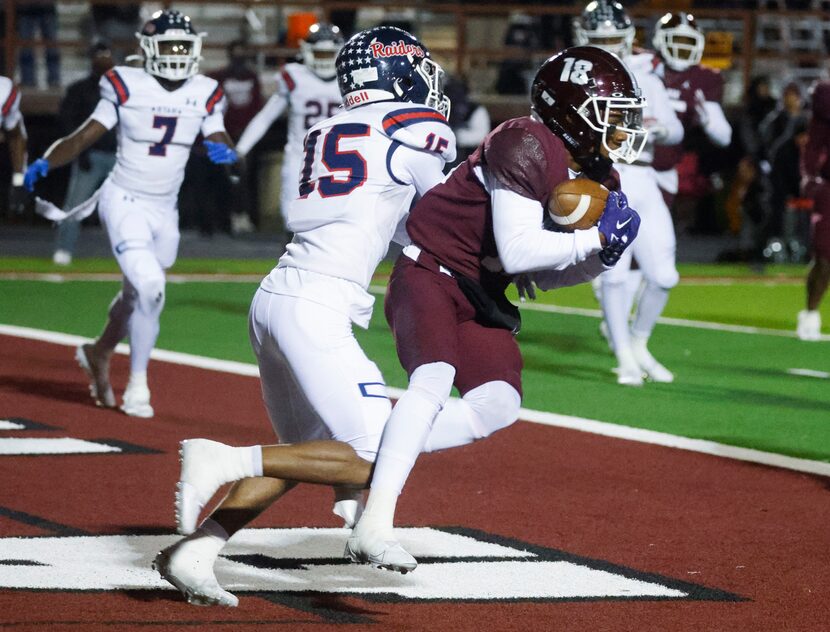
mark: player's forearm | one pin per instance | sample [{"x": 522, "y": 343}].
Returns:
[
  {"x": 582, "y": 272},
  {"x": 66, "y": 149},
  {"x": 258, "y": 125},
  {"x": 717, "y": 129},
  {"x": 17, "y": 147}
]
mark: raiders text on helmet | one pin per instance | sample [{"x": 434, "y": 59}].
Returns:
[
  {"x": 388, "y": 64},
  {"x": 678, "y": 40},
  {"x": 604, "y": 23},
  {"x": 319, "y": 49},
  {"x": 172, "y": 47},
  {"x": 585, "y": 95}
]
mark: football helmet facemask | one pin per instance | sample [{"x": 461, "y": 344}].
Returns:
[
  {"x": 319, "y": 49},
  {"x": 386, "y": 63},
  {"x": 172, "y": 48},
  {"x": 605, "y": 24},
  {"x": 589, "y": 99},
  {"x": 679, "y": 40}
]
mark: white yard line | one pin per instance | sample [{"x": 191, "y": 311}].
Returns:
[
  {"x": 540, "y": 417},
  {"x": 809, "y": 373}
]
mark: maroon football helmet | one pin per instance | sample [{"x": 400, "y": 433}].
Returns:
[{"x": 584, "y": 95}]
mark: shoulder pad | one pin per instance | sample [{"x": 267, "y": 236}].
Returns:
[
  {"x": 113, "y": 87},
  {"x": 420, "y": 127}
]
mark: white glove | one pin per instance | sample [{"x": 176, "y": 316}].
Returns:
[{"x": 700, "y": 108}]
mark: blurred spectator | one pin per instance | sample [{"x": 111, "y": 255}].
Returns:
[
  {"x": 748, "y": 199},
  {"x": 117, "y": 23},
  {"x": 42, "y": 16},
  {"x": 469, "y": 120},
  {"x": 244, "y": 92},
  {"x": 94, "y": 165},
  {"x": 515, "y": 74},
  {"x": 779, "y": 159}
]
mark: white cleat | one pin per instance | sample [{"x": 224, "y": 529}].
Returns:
[
  {"x": 206, "y": 466},
  {"x": 62, "y": 257},
  {"x": 655, "y": 371},
  {"x": 137, "y": 400},
  {"x": 364, "y": 548},
  {"x": 192, "y": 576},
  {"x": 97, "y": 370},
  {"x": 809, "y": 325}
]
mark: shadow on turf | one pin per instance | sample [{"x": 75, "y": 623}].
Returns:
[
  {"x": 75, "y": 391},
  {"x": 225, "y": 307}
]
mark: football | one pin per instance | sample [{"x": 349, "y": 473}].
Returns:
[{"x": 577, "y": 204}]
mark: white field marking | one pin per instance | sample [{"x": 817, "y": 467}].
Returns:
[
  {"x": 535, "y": 416},
  {"x": 381, "y": 290},
  {"x": 65, "y": 445},
  {"x": 809, "y": 373},
  {"x": 5, "y": 424}
]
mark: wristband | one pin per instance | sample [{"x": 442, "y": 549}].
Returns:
[{"x": 17, "y": 179}]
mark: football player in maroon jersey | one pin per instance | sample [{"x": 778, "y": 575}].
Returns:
[
  {"x": 815, "y": 171},
  {"x": 471, "y": 235},
  {"x": 696, "y": 92}
]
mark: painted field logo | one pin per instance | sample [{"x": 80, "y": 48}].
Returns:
[{"x": 456, "y": 564}]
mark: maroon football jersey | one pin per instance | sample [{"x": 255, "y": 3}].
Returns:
[
  {"x": 814, "y": 159},
  {"x": 454, "y": 222},
  {"x": 681, "y": 87}
]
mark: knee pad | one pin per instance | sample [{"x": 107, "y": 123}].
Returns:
[
  {"x": 495, "y": 406},
  {"x": 151, "y": 295},
  {"x": 666, "y": 278},
  {"x": 433, "y": 381}
]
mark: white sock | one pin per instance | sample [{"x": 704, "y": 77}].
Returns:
[
  {"x": 379, "y": 515},
  {"x": 138, "y": 379},
  {"x": 206, "y": 542},
  {"x": 652, "y": 302},
  {"x": 633, "y": 284},
  {"x": 615, "y": 306}
]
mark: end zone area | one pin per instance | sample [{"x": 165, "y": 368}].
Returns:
[{"x": 538, "y": 527}]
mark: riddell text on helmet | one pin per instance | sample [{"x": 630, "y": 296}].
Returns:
[{"x": 378, "y": 49}]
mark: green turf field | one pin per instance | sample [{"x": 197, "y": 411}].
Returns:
[{"x": 731, "y": 387}]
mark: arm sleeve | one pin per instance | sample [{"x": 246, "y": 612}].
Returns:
[
  {"x": 475, "y": 129},
  {"x": 814, "y": 155},
  {"x": 106, "y": 113},
  {"x": 524, "y": 245},
  {"x": 718, "y": 129},
  {"x": 421, "y": 169},
  {"x": 581, "y": 272},
  {"x": 256, "y": 129},
  {"x": 215, "y": 119}
]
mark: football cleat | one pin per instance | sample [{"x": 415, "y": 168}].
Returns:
[
  {"x": 654, "y": 371},
  {"x": 206, "y": 466},
  {"x": 97, "y": 370},
  {"x": 194, "y": 578},
  {"x": 628, "y": 372},
  {"x": 62, "y": 257},
  {"x": 365, "y": 547},
  {"x": 137, "y": 400},
  {"x": 809, "y": 325}
]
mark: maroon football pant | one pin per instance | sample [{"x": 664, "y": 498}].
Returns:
[
  {"x": 820, "y": 227},
  {"x": 432, "y": 321}
]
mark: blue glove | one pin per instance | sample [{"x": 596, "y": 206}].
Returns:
[
  {"x": 220, "y": 153},
  {"x": 37, "y": 170},
  {"x": 619, "y": 224}
]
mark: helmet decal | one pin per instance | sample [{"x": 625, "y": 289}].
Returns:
[{"x": 388, "y": 64}]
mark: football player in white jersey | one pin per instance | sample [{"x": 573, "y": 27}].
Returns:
[
  {"x": 361, "y": 170},
  {"x": 15, "y": 132},
  {"x": 309, "y": 92},
  {"x": 159, "y": 110},
  {"x": 605, "y": 24}
]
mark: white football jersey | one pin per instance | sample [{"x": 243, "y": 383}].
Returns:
[
  {"x": 10, "y": 99},
  {"x": 310, "y": 99},
  {"x": 360, "y": 172},
  {"x": 659, "y": 111},
  {"x": 156, "y": 127}
]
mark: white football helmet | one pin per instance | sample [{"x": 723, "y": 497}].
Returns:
[
  {"x": 319, "y": 49},
  {"x": 172, "y": 47},
  {"x": 679, "y": 40},
  {"x": 606, "y": 25}
]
